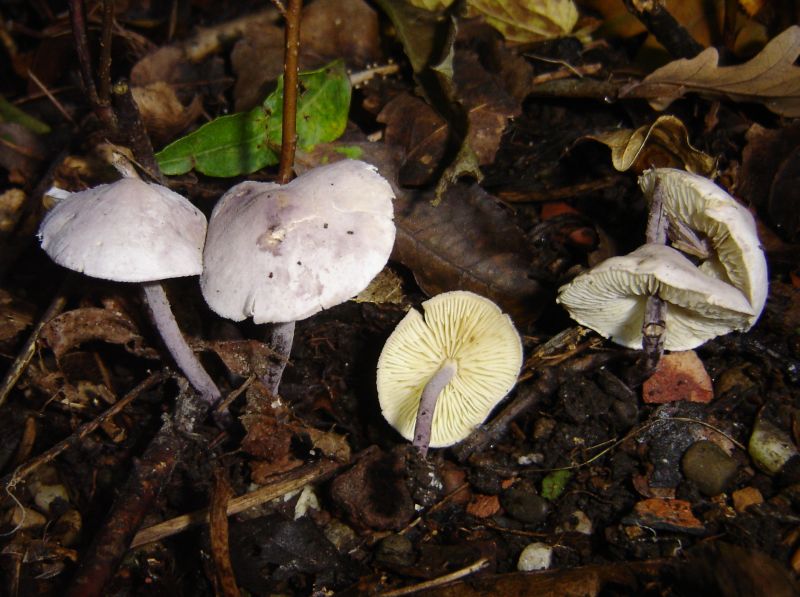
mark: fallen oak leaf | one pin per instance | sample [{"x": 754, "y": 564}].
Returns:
[
  {"x": 770, "y": 78},
  {"x": 527, "y": 20}
]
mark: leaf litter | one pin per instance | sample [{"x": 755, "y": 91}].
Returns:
[{"x": 582, "y": 457}]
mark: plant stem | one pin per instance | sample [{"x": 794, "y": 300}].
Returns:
[
  {"x": 176, "y": 344},
  {"x": 104, "y": 65},
  {"x": 290, "y": 77},
  {"x": 427, "y": 405},
  {"x": 132, "y": 127}
]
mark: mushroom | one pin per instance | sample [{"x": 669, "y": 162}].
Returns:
[
  {"x": 281, "y": 253},
  {"x": 439, "y": 376},
  {"x": 611, "y": 298},
  {"x": 133, "y": 231},
  {"x": 694, "y": 206}
]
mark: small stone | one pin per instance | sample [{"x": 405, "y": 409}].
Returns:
[
  {"x": 746, "y": 497},
  {"x": 709, "y": 467},
  {"x": 580, "y": 523},
  {"x": 770, "y": 447},
  {"x": 396, "y": 550},
  {"x": 536, "y": 556},
  {"x": 523, "y": 503}
]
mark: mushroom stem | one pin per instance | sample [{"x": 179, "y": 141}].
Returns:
[
  {"x": 280, "y": 341},
  {"x": 170, "y": 333},
  {"x": 427, "y": 405},
  {"x": 655, "y": 311}
]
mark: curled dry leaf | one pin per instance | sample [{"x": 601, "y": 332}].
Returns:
[
  {"x": 15, "y": 316},
  {"x": 770, "y": 78},
  {"x": 73, "y": 328},
  {"x": 163, "y": 114},
  {"x": 663, "y": 144},
  {"x": 243, "y": 357},
  {"x": 468, "y": 242}
]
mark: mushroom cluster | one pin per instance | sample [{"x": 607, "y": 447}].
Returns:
[{"x": 724, "y": 289}]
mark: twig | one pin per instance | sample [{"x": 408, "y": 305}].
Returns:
[
  {"x": 84, "y": 430},
  {"x": 150, "y": 475},
  {"x": 290, "y": 78},
  {"x": 669, "y": 32},
  {"x": 29, "y": 348},
  {"x": 220, "y": 552},
  {"x": 132, "y": 127},
  {"x": 476, "y": 566},
  {"x": 291, "y": 482},
  {"x": 78, "y": 18},
  {"x": 104, "y": 65},
  {"x": 51, "y": 97}
]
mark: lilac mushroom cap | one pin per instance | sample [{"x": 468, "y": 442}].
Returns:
[
  {"x": 281, "y": 253},
  {"x": 127, "y": 231}
]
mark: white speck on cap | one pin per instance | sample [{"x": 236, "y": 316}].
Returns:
[
  {"x": 127, "y": 231},
  {"x": 280, "y": 253}
]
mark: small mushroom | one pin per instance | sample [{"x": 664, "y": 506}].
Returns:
[
  {"x": 439, "y": 376},
  {"x": 133, "y": 231},
  {"x": 699, "y": 213},
  {"x": 611, "y": 298},
  {"x": 281, "y": 253}
]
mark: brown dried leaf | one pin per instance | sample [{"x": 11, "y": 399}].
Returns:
[
  {"x": 21, "y": 151},
  {"x": 332, "y": 445},
  {"x": 15, "y": 316},
  {"x": 663, "y": 144},
  {"x": 73, "y": 328},
  {"x": 468, "y": 242},
  {"x": 416, "y": 126},
  {"x": 163, "y": 114},
  {"x": 679, "y": 376},
  {"x": 770, "y": 78},
  {"x": 11, "y": 208},
  {"x": 768, "y": 175},
  {"x": 243, "y": 357}
]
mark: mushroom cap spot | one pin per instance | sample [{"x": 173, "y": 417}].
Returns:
[
  {"x": 461, "y": 327},
  {"x": 281, "y": 253},
  {"x": 709, "y": 210},
  {"x": 610, "y": 299},
  {"x": 127, "y": 231}
]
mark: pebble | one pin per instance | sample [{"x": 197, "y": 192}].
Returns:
[
  {"x": 523, "y": 503},
  {"x": 770, "y": 447},
  {"x": 395, "y": 549},
  {"x": 709, "y": 467},
  {"x": 536, "y": 556}
]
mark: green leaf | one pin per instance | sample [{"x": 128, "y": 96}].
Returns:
[
  {"x": 10, "y": 113},
  {"x": 226, "y": 146},
  {"x": 247, "y": 141},
  {"x": 553, "y": 484}
]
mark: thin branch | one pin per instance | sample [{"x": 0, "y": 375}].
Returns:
[
  {"x": 132, "y": 127},
  {"x": 668, "y": 31},
  {"x": 290, "y": 79},
  {"x": 104, "y": 66}
]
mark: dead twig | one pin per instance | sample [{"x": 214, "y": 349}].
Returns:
[
  {"x": 476, "y": 566},
  {"x": 218, "y": 521},
  {"x": 9, "y": 481},
  {"x": 290, "y": 78},
  {"x": 669, "y": 32},
  {"x": 292, "y": 481},
  {"x": 132, "y": 127}
]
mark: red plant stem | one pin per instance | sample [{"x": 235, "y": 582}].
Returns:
[{"x": 290, "y": 78}]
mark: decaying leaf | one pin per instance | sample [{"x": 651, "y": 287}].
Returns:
[
  {"x": 527, "y": 20},
  {"x": 242, "y": 357},
  {"x": 15, "y": 316},
  {"x": 11, "y": 203},
  {"x": 21, "y": 151},
  {"x": 73, "y": 328},
  {"x": 663, "y": 144},
  {"x": 770, "y": 78},
  {"x": 468, "y": 242},
  {"x": 432, "y": 5},
  {"x": 164, "y": 116},
  {"x": 679, "y": 376}
]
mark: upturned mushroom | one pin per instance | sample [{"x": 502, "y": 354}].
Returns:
[
  {"x": 708, "y": 223},
  {"x": 610, "y": 299},
  {"x": 439, "y": 376},
  {"x": 133, "y": 231},
  {"x": 281, "y": 253}
]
